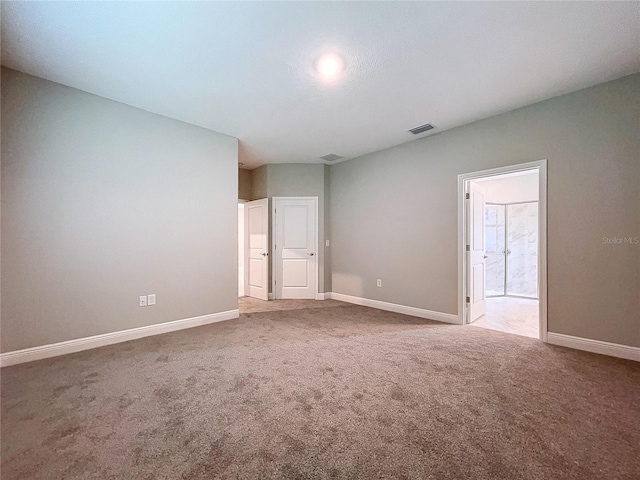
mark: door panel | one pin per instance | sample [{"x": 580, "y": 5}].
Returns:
[
  {"x": 257, "y": 235},
  {"x": 478, "y": 281},
  {"x": 295, "y": 273},
  {"x": 256, "y": 272},
  {"x": 477, "y": 256},
  {"x": 294, "y": 238},
  {"x": 295, "y": 244}
]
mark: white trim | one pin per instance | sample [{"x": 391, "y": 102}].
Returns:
[
  {"x": 323, "y": 296},
  {"x": 274, "y": 255},
  {"x": 595, "y": 346},
  {"x": 394, "y": 307},
  {"x": 244, "y": 252},
  {"x": 541, "y": 166},
  {"x": 542, "y": 249},
  {"x": 86, "y": 343},
  {"x": 270, "y": 296}
]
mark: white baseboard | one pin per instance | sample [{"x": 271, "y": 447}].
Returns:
[
  {"x": 319, "y": 296},
  {"x": 270, "y": 296},
  {"x": 393, "y": 307},
  {"x": 86, "y": 343},
  {"x": 594, "y": 346}
]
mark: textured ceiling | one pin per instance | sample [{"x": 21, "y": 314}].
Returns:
[{"x": 246, "y": 69}]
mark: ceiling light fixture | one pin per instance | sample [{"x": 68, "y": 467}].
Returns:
[{"x": 330, "y": 65}]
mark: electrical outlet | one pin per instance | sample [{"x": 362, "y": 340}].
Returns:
[
  {"x": 379, "y": 282},
  {"x": 142, "y": 301},
  {"x": 327, "y": 243},
  {"x": 151, "y": 299}
]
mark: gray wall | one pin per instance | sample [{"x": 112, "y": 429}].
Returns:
[
  {"x": 244, "y": 184},
  {"x": 298, "y": 180},
  {"x": 101, "y": 203},
  {"x": 327, "y": 229},
  {"x": 394, "y": 212},
  {"x": 259, "y": 183}
]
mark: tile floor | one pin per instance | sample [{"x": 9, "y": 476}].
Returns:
[{"x": 511, "y": 315}]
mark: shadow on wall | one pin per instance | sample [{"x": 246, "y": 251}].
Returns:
[{"x": 355, "y": 282}]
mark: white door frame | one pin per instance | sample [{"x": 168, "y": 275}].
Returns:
[
  {"x": 244, "y": 252},
  {"x": 274, "y": 261},
  {"x": 541, "y": 167}
]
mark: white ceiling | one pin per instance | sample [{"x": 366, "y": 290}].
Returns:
[{"x": 246, "y": 69}]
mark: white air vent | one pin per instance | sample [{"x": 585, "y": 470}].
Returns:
[
  {"x": 332, "y": 157},
  {"x": 422, "y": 128}
]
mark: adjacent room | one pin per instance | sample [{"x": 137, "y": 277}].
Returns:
[
  {"x": 510, "y": 252},
  {"x": 314, "y": 240}
]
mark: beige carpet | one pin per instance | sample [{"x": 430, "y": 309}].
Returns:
[
  {"x": 253, "y": 305},
  {"x": 329, "y": 392}
]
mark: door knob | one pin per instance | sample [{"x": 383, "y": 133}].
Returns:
[
  {"x": 264, "y": 254},
  {"x": 485, "y": 256},
  {"x": 311, "y": 254}
]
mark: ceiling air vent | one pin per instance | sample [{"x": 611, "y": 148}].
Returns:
[
  {"x": 332, "y": 157},
  {"x": 422, "y": 128}
]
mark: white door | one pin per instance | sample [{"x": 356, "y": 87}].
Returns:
[
  {"x": 477, "y": 256},
  {"x": 295, "y": 247},
  {"x": 257, "y": 237}
]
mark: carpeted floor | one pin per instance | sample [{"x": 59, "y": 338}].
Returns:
[{"x": 334, "y": 391}]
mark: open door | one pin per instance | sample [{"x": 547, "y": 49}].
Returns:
[
  {"x": 257, "y": 241},
  {"x": 295, "y": 241},
  {"x": 476, "y": 252}
]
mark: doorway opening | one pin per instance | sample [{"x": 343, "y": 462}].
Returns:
[
  {"x": 502, "y": 268},
  {"x": 256, "y": 249},
  {"x": 292, "y": 268},
  {"x": 253, "y": 255}
]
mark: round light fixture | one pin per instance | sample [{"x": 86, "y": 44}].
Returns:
[{"x": 330, "y": 65}]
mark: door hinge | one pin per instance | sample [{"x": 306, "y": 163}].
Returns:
[
  {"x": 468, "y": 300},
  {"x": 468, "y": 248},
  {"x": 466, "y": 196}
]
